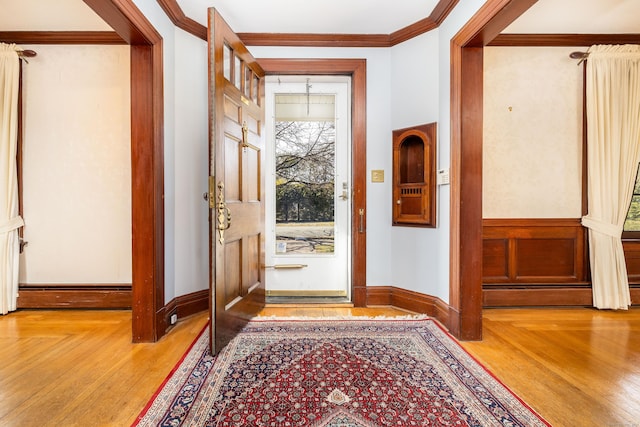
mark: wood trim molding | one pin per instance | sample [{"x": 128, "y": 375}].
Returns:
[
  {"x": 433, "y": 21},
  {"x": 563, "y": 39},
  {"x": 180, "y": 20},
  {"x": 95, "y": 296},
  {"x": 566, "y": 296},
  {"x": 409, "y": 300},
  {"x": 497, "y": 15},
  {"x": 357, "y": 68},
  {"x": 61, "y": 37},
  {"x": 126, "y": 19},
  {"x": 315, "y": 40},
  {"x": 465, "y": 253},
  {"x": 187, "y": 305}
]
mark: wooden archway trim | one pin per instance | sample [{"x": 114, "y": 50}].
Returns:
[
  {"x": 147, "y": 164},
  {"x": 465, "y": 265},
  {"x": 357, "y": 69}
]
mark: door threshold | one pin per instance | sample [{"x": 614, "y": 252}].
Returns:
[{"x": 280, "y": 301}]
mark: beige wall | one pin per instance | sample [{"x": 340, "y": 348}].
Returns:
[
  {"x": 77, "y": 166},
  {"x": 532, "y": 153}
]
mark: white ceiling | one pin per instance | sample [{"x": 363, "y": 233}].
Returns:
[
  {"x": 331, "y": 16},
  {"x": 313, "y": 16},
  {"x": 579, "y": 16}
]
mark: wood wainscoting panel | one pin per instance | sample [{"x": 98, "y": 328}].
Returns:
[
  {"x": 632, "y": 256},
  {"x": 495, "y": 259},
  {"x": 533, "y": 251},
  {"x": 546, "y": 260}
]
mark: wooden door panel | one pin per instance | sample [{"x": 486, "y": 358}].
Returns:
[
  {"x": 233, "y": 270},
  {"x": 252, "y": 175},
  {"x": 232, "y": 110},
  {"x": 233, "y": 157},
  {"x": 252, "y": 258},
  {"x": 237, "y": 225}
]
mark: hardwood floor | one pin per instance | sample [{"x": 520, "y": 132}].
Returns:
[{"x": 576, "y": 367}]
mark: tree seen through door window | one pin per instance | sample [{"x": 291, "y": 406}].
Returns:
[{"x": 305, "y": 183}]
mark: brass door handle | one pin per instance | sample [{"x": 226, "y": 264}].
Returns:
[
  {"x": 245, "y": 135},
  {"x": 224, "y": 214}
]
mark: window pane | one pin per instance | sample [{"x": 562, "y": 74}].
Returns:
[
  {"x": 632, "y": 223},
  {"x": 237, "y": 73},
  {"x": 247, "y": 82},
  {"x": 255, "y": 88},
  {"x": 305, "y": 177},
  {"x": 305, "y": 139},
  {"x": 226, "y": 61}
]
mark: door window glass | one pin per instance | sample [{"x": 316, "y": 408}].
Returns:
[{"x": 305, "y": 146}]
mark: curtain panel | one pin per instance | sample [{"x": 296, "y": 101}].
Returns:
[
  {"x": 613, "y": 153},
  {"x": 10, "y": 221}
]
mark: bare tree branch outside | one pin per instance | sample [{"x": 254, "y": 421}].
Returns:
[{"x": 305, "y": 187}]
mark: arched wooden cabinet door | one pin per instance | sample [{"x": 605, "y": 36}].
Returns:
[{"x": 414, "y": 176}]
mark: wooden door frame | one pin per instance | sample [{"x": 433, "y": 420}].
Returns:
[
  {"x": 148, "y": 319},
  {"x": 356, "y": 68},
  {"x": 465, "y": 253},
  {"x": 147, "y": 104}
]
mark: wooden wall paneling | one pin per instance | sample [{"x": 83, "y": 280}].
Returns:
[
  {"x": 495, "y": 260},
  {"x": 632, "y": 257},
  {"x": 541, "y": 259},
  {"x": 357, "y": 69},
  {"x": 539, "y": 250}
]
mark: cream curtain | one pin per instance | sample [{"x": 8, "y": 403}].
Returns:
[
  {"x": 10, "y": 221},
  {"x": 613, "y": 153}
]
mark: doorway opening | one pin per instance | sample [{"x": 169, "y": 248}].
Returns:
[{"x": 308, "y": 189}]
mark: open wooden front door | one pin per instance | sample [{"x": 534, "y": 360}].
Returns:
[{"x": 236, "y": 183}]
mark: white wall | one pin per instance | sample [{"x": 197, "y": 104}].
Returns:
[
  {"x": 414, "y": 101},
  {"x": 532, "y": 144},
  {"x": 77, "y": 165},
  {"x": 185, "y": 148},
  {"x": 191, "y": 165}
]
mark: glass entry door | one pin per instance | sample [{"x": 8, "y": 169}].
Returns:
[{"x": 308, "y": 186}]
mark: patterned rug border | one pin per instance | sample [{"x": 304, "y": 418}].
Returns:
[
  {"x": 170, "y": 375},
  {"x": 348, "y": 317},
  {"x": 303, "y": 319}
]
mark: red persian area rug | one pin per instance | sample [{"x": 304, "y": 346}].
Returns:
[{"x": 335, "y": 373}]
